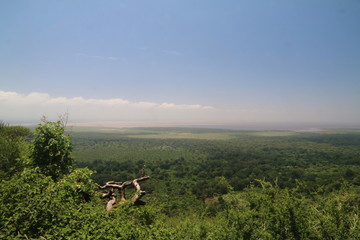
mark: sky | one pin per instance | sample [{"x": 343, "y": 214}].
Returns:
[{"x": 181, "y": 62}]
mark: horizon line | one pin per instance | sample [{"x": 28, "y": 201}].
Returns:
[{"x": 297, "y": 126}]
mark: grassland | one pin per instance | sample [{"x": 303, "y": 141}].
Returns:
[{"x": 181, "y": 133}]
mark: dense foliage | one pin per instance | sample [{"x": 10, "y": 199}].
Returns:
[
  {"x": 13, "y": 149},
  {"x": 201, "y": 188},
  {"x": 194, "y": 166},
  {"x": 52, "y": 149}
]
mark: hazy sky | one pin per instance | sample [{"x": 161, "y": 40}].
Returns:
[{"x": 189, "y": 61}]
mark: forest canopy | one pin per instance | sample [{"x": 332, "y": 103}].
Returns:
[{"x": 205, "y": 183}]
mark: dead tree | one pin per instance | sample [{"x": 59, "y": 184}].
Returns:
[{"x": 121, "y": 186}]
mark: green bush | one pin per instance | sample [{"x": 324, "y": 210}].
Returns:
[{"x": 52, "y": 149}]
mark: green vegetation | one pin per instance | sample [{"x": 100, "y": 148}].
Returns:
[
  {"x": 318, "y": 159},
  {"x": 206, "y": 183},
  {"x": 52, "y": 150},
  {"x": 13, "y": 149}
]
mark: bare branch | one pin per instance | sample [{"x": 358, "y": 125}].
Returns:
[{"x": 121, "y": 186}]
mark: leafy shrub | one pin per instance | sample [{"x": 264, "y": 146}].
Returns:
[{"x": 52, "y": 149}]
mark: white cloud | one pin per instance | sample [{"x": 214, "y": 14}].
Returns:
[
  {"x": 175, "y": 106},
  {"x": 30, "y": 107},
  {"x": 16, "y": 107}
]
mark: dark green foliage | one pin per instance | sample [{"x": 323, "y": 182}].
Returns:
[
  {"x": 270, "y": 212},
  {"x": 13, "y": 149},
  {"x": 240, "y": 160},
  {"x": 33, "y": 204},
  {"x": 200, "y": 189},
  {"x": 52, "y": 149}
]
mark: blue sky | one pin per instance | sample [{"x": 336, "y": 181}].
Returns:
[{"x": 198, "y": 61}]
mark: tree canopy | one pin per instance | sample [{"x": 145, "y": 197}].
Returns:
[
  {"x": 13, "y": 149},
  {"x": 194, "y": 192},
  {"x": 52, "y": 149}
]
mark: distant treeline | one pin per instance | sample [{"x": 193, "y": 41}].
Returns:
[{"x": 314, "y": 158}]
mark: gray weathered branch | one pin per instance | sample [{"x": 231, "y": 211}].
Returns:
[{"x": 121, "y": 186}]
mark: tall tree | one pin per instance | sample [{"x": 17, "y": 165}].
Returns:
[{"x": 52, "y": 149}]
